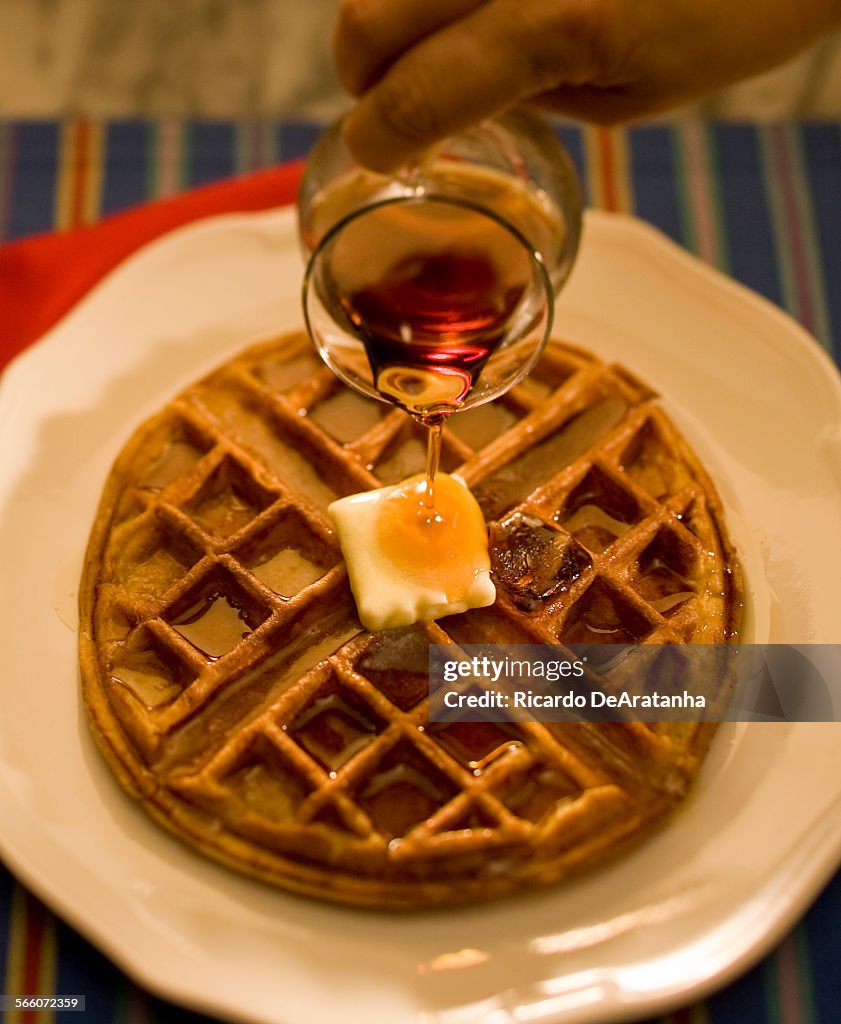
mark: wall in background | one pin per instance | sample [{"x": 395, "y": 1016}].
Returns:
[
  {"x": 257, "y": 58},
  {"x": 200, "y": 58}
]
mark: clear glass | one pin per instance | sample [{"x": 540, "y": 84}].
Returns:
[{"x": 434, "y": 289}]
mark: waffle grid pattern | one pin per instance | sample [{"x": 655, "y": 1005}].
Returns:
[{"x": 228, "y": 680}]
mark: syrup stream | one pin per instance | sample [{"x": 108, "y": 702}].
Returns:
[{"x": 434, "y": 426}]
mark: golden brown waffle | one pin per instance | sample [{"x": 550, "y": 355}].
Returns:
[{"x": 233, "y": 691}]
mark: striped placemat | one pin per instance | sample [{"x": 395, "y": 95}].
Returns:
[
  {"x": 759, "y": 202},
  {"x": 762, "y": 203}
]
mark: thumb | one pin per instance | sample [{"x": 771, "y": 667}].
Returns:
[{"x": 472, "y": 68}]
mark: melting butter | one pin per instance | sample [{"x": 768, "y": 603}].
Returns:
[{"x": 407, "y": 563}]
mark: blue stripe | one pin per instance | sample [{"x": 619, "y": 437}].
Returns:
[
  {"x": 746, "y": 209},
  {"x": 823, "y": 939},
  {"x": 745, "y": 1000},
  {"x": 822, "y": 162},
  {"x": 127, "y": 158},
  {"x": 166, "y": 1013},
  {"x": 209, "y": 152},
  {"x": 294, "y": 139},
  {"x": 83, "y": 971},
  {"x": 573, "y": 139},
  {"x": 34, "y": 173},
  {"x": 654, "y": 179},
  {"x": 7, "y": 884}
]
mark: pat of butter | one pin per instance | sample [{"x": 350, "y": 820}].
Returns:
[{"x": 409, "y": 564}]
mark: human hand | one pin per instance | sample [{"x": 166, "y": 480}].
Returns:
[{"x": 423, "y": 69}]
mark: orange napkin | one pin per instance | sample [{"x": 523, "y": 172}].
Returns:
[{"x": 43, "y": 277}]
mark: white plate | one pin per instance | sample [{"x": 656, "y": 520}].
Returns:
[{"x": 681, "y": 914}]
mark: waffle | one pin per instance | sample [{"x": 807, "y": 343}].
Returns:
[{"x": 234, "y": 693}]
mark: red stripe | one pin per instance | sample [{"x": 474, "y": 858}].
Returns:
[
  {"x": 33, "y": 939},
  {"x": 799, "y": 264},
  {"x": 793, "y": 1008},
  {"x": 607, "y": 163}
]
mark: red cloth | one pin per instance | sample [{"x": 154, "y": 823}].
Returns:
[{"x": 43, "y": 277}]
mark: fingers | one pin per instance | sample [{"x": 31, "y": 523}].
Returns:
[
  {"x": 424, "y": 69},
  {"x": 605, "y": 106},
  {"x": 498, "y": 53},
  {"x": 371, "y": 34}
]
